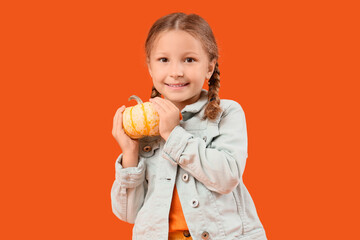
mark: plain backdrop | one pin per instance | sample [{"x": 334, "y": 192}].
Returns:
[{"x": 66, "y": 66}]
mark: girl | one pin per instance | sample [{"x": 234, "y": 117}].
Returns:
[{"x": 186, "y": 183}]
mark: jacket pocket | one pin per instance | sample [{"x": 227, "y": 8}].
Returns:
[
  {"x": 148, "y": 145},
  {"x": 212, "y": 132},
  {"x": 207, "y": 134}
]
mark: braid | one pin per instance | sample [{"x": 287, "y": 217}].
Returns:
[
  {"x": 154, "y": 92},
  {"x": 213, "y": 106}
]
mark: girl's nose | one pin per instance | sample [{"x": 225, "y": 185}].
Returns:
[{"x": 176, "y": 70}]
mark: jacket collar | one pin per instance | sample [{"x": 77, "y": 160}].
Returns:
[{"x": 196, "y": 107}]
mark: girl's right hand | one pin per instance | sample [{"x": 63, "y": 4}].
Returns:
[{"x": 129, "y": 147}]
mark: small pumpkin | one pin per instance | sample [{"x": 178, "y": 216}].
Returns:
[{"x": 141, "y": 120}]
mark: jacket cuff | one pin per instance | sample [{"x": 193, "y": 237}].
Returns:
[
  {"x": 130, "y": 177},
  {"x": 175, "y": 144}
]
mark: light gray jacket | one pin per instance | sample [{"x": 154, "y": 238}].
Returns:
[{"x": 206, "y": 160}]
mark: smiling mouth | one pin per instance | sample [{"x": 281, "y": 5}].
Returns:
[{"x": 177, "y": 85}]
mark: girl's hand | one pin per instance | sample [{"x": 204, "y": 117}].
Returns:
[
  {"x": 169, "y": 115},
  {"x": 130, "y": 147}
]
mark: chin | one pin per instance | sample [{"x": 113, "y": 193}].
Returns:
[{"x": 176, "y": 100}]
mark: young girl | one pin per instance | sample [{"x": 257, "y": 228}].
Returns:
[{"x": 186, "y": 183}]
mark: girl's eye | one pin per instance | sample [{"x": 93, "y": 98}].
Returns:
[
  {"x": 163, "y": 60},
  {"x": 189, "y": 59}
]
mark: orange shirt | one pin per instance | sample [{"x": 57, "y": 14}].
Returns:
[{"x": 176, "y": 215}]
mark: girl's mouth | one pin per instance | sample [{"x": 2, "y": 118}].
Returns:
[{"x": 177, "y": 85}]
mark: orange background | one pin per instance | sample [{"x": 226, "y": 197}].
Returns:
[{"x": 66, "y": 66}]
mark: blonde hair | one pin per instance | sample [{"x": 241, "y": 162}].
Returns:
[{"x": 200, "y": 29}]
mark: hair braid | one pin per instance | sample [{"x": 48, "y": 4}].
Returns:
[
  {"x": 213, "y": 106},
  {"x": 155, "y": 92}
]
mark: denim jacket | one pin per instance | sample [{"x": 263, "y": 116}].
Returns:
[{"x": 206, "y": 160}]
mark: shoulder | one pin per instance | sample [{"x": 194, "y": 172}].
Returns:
[{"x": 230, "y": 106}]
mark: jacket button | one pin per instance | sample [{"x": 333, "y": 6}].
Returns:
[
  {"x": 205, "y": 138},
  {"x": 147, "y": 148},
  {"x": 194, "y": 203},
  {"x": 185, "y": 177},
  {"x": 186, "y": 233},
  {"x": 205, "y": 235}
]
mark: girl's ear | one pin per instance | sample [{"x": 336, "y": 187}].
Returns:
[{"x": 211, "y": 68}]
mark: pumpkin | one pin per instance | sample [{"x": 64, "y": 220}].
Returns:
[{"x": 140, "y": 120}]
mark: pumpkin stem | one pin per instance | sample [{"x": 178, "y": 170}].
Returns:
[{"x": 139, "y": 101}]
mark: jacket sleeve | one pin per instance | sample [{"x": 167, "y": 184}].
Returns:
[
  {"x": 128, "y": 190},
  {"x": 220, "y": 165}
]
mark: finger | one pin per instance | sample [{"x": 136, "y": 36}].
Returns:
[
  {"x": 169, "y": 104},
  {"x": 115, "y": 121},
  {"x": 120, "y": 120},
  {"x": 161, "y": 102},
  {"x": 158, "y": 107},
  {"x": 117, "y": 118}
]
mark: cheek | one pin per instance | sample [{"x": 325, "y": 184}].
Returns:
[
  {"x": 157, "y": 80},
  {"x": 199, "y": 75},
  {"x": 158, "y": 73}
]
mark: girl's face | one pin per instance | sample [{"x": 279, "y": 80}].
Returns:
[{"x": 179, "y": 65}]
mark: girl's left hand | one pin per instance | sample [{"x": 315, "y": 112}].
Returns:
[{"x": 169, "y": 115}]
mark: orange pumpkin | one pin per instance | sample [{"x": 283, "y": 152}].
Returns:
[{"x": 141, "y": 120}]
